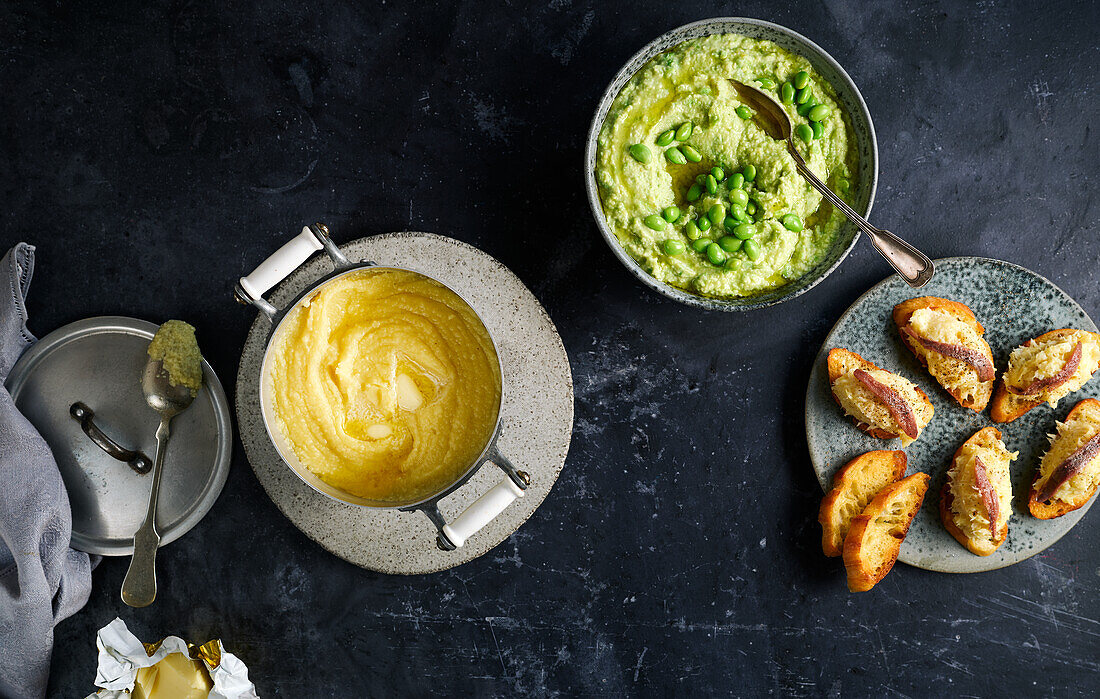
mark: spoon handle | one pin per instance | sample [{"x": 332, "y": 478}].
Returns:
[
  {"x": 913, "y": 265},
  {"x": 139, "y": 588}
]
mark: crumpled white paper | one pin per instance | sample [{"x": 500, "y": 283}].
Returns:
[{"x": 121, "y": 655}]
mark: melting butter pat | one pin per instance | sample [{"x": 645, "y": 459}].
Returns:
[
  {"x": 379, "y": 431},
  {"x": 409, "y": 396},
  {"x": 176, "y": 676}
]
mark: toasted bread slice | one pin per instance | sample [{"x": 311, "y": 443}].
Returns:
[
  {"x": 875, "y": 538},
  {"x": 1045, "y": 359},
  {"x": 870, "y": 413},
  {"x": 1077, "y": 445},
  {"x": 976, "y": 499},
  {"x": 1007, "y": 407},
  {"x": 953, "y": 349},
  {"x": 855, "y": 485}
]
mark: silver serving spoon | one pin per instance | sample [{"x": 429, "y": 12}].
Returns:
[
  {"x": 912, "y": 264},
  {"x": 139, "y": 589}
]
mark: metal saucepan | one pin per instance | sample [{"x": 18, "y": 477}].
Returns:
[{"x": 250, "y": 291}]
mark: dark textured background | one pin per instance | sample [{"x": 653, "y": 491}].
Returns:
[{"x": 156, "y": 151}]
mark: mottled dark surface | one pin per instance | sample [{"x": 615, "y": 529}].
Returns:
[{"x": 154, "y": 151}]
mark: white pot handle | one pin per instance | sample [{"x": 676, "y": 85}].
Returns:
[
  {"x": 482, "y": 511},
  {"x": 281, "y": 263},
  {"x": 251, "y": 289},
  {"x": 485, "y": 509}
]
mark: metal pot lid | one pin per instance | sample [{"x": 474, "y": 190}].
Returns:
[{"x": 98, "y": 361}]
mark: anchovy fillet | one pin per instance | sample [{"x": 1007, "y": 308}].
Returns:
[
  {"x": 972, "y": 357},
  {"x": 899, "y": 409},
  {"x": 989, "y": 495},
  {"x": 1073, "y": 465}
]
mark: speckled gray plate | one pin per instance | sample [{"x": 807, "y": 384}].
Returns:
[
  {"x": 854, "y": 107},
  {"x": 536, "y": 415},
  {"x": 1013, "y": 304}
]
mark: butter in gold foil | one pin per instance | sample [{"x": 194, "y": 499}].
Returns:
[
  {"x": 169, "y": 669},
  {"x": 176, "y": 676}
]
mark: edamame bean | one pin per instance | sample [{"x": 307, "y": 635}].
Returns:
[
  {"x": 692, "y": 231},
  {"x": 786, "y": 93},
  {"x": 718, "y": 173},
  {"x": 750, "y": 208},
  {"x": 804, "y": 109},
  {"x": 716, "y": 254},
  {"x": 791, "y": 222},
  {"x": 712, "y": 185},
  {"x": 640, "y": 152},
  {"x": 804, "y": 132},
  {"x": 672, "y": 246},
  {"x": 800, "y": 80},
  {"x": 670, "y": 213},
  {"x": 745, "y": 231},
  {"x": 690, "y": 153},
  {"x": 666, "y": 138},
  {"x": 803, "y": 95},
  {"x": 744, "y": 112},
  {"x": 739, "y": 196},
  {"x": 739, "y": 213},
  {"x": 694, "y": 192},
  {"x": 704, "y": 223},
  {"x": 675, "y": 155},
  {"x": 717, "y": 214},
  {"x": 749, "y": 172},
  {"x": 655, "y": 222},
  {"x": 819, "y": 112},
  {"x": 736, "y": 181},
  {"x": 817, "y": 128},
  {"x": 843, "y": 184},
  {"x": 683, "y": 133},
  {"x": 766, "y": 83},
  {"x": 701, "y": 244},
  {"x": 729, "y": 243},
  {"x": 751, "y": 249},
  {"x": 730, "y": 223},
  {"x": 701, "y": 178}
]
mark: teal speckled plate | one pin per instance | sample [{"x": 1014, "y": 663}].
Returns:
[{"x": 1013, "y": 304}]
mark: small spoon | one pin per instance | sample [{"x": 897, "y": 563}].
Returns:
[
  {"x": 139, "y": 589},
  {"x": 912, "y": 264}
]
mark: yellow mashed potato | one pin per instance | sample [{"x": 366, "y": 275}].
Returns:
[{"x": 386, "y": 384}]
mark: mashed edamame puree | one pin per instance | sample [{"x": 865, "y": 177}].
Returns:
[
  {"x": 757, "y": 224},
  {"x": 175, "y": 346}
]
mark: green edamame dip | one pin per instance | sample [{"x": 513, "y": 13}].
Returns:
[
  {"x": 689, "y": 85},
  {"x": 178, "y": 351}
]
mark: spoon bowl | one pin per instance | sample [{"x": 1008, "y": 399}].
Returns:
[{"x": 160, "y": 394}]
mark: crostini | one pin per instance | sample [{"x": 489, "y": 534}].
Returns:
[
  {"x": 948, "y": 340},
  {"x": 854, "y": 486},
  {"x": 1045, "y": 370},
  {"x": 876, "y": 535},
  {"x": 1069, "y": 472},
  {"x": 976, "y": 500},
  {"x": 882, "y": 403}
]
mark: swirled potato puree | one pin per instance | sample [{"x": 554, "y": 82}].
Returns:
[
  {"x": 698, "y": 193},
  {"x": 386, "y": 384}
]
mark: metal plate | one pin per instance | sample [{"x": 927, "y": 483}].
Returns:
[
  {"x": 99, "y": 361},
  {"x": 1014, "y": 304}
]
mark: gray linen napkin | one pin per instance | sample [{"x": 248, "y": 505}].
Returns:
[{"x": 42, "y": 580}]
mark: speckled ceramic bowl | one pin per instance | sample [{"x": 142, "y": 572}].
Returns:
[
  {"x": 847, "y": 93},
  {"x": 1014, "y": 305}
]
